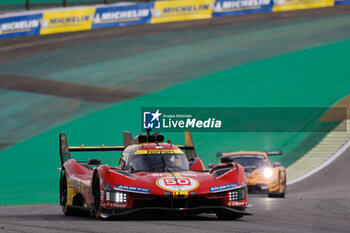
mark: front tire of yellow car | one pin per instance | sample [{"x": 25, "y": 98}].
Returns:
[
  {"x": 281, "y": 193},
  {"x": 284, "y": 187}
]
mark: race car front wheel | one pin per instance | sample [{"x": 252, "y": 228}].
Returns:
[
  {"x": 284, "y": 186},
  {"x": 281, "y": 189},
  {"x": 67, "y": 210},
  {"x": 96, "y": 207}
]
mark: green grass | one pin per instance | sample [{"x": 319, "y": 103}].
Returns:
[
  {"x": 316, "y": 77},
  {"x": 150, "y": 62}
]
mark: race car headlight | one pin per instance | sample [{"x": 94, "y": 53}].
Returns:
[
  {"x": 233, "y": 195},
  {"x": 118, "y": 197},
  {"x": 267, "y": 172},
  {"x": 237, "y": 194}
]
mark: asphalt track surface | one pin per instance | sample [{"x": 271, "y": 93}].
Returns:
[{"x": 319, "y": 203}]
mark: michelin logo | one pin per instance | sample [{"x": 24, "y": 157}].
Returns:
[
  {"x": 151, "y": 120},
  {"x": 66, "y": 21},
  {"x": 120, "y": 15},
  {"x": 19, "y": 26},
  {"x": 221, "y": 6},
  {"x": 181, "y": 10}
]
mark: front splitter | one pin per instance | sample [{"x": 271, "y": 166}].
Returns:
[{"x": 106, "y": 213}]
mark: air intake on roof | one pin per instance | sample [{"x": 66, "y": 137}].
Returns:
[{"x": 150, "y": 138}]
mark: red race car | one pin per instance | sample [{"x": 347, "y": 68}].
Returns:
[{"x": 152, "y": 177}]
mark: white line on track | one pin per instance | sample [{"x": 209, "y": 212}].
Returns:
[{"x": 325, "y": 164}]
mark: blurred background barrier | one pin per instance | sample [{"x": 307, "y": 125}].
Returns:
[
  {"x": 171, "y": 11},
  {"x": 66, "y": 21},
  {"x": 42, "y": 22},
  {"x": 10, "y": 5},
  {"x": 25, "y": 25},
  {"x": 226, "y": 8},
  {"x": 122, "y": 15},
  {"x": 289, "y": 5},
  {"x": 73, "y": 19},
  {"x": 341, "y": 2}
]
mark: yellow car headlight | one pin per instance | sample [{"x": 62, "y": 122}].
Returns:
[{"x": 267, "y": 172}]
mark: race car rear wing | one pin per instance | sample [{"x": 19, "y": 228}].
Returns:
[
  {"x": 128, "y": 140},
  {"x": 96, "y": 148},
  {"x": 65, "y": 149},
  {"x": 277, "y": 152},
  {"x": 190, "y": 152}
]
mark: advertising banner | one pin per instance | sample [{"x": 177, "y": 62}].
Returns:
[
  {"x": 239, "y": 7},
  {"x": 25, "y": 25},
  {"x": 289, "y": 5},
  {"x": 67, "y": 21},
  {"x": 170, "y": 11},
  {"x": 122, "y": 15},
  {"x": 341, "y": 2}
]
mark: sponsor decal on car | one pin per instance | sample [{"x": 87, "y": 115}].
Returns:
[
  {"x": 188, "y": 174},
  {"x": 157, "y": 174},
  {"x": 115, "y": 205},
  {"x": 70, "y": 183},
  {"x": 102, "y": 195},
  {"x": 132, "y": 189},
  {"x": 175, "y": 184},
  {"x": 153, "y": 152},
  {"x": 236, "y": 203},
  {"x": 223, "y": 187}
]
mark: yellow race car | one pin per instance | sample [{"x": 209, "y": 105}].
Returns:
[{"x": 262, "y": 177}]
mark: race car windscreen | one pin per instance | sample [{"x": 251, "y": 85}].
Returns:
[
  {"x": 158, "y": 162},
  {"x": 250, "y": 161}
]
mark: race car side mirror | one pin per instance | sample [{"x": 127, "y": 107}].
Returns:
[
  {"x": 211, "y": 165},
  {"x": 276, "y": 164},
  {"x": 226, "y": 159},
  {"x": 94, "y": 162}
]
